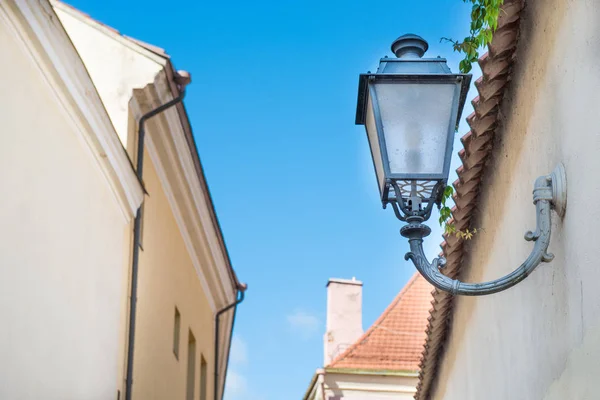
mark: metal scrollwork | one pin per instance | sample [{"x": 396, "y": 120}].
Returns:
[{"x": 549, "y": 193}]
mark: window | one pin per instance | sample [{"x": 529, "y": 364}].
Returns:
[
  {"x": 191, "y": 367},
  {"x": 203, "y": 373},
  {"x": 176, "y": 328}
]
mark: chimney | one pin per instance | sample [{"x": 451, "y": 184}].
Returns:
[{"x": 344, "y": 316}]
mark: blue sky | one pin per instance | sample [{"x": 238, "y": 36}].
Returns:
[{"x": 272, "y": 105}]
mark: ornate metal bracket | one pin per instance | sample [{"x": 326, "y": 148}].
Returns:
[{"x": 549, "y": 192}]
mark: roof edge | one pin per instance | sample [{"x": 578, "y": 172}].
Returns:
[
  {"x": 187, "y": 127},
  {"x": 311, "y": 385},
  {"x": 44, "y": 39},
  {"x": 150, "y": 51},
  {"x": 496, "y": 67},
  {"x": 361, "y": 371},
  {"x": 344, "y": 281}
]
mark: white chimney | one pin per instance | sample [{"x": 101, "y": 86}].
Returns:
[{"x": 344, "y": 316}]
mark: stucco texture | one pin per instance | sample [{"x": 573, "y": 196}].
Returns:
[
  {"x": 167, "y": 279},
  {"x": 167, "y": 276},
  {"x": 540, "y": 339},
  {"x": 62, "y": 246},
  {"x": 127, "y": 67}
]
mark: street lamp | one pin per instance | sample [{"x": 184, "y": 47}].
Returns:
[{"x": 410, "y": 109}]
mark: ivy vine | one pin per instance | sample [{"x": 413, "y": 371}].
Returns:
[{"x": 484, "y": 21}]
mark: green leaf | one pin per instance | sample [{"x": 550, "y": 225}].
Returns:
[
  {"x": 481, "y": 39},
  {"x": 449, "y": 191},
  {"x": 449, "y": 229},
  {"x": 465, "y": 66},
  {"x": 484, "y": 21},
  {"x": 476, "y": 12}
]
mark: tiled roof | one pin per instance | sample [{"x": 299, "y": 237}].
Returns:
[
  {"x": 395, "y": 340},
  {"x": 496, "y": 68}
]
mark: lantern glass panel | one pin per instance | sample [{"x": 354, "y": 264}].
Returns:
[
  {"x": 373, "y": 137},
  {"x": 416, "y": 119}
]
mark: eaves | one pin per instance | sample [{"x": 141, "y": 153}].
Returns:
[
  {"x": 368, "y": 372},
  {"x": 193, "y": 148}
]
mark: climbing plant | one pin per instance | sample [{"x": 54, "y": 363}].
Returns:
[{"x": 484, "y": 21}]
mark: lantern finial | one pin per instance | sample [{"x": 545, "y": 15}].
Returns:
[{"x": 409, "y": 46}]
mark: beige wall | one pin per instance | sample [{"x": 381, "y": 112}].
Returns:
[
  {"x": 115, "y": 63},
  {"x": 62, "y": 245},
  {"x": 167, "y": 279},
  {"x": 65, "y": 252},
  {"x": 116, "y": 67},
  {"x": 541, "y": 339}
]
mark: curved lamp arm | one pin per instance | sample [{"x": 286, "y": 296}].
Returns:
[{"x": 549, "y": 192}]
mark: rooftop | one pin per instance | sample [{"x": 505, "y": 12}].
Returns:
[{"x": 395, "y": 341}]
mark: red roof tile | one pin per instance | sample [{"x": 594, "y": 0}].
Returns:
[{"x": 395, "y": 341}]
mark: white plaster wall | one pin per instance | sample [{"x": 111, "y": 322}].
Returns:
[
  {"x": 116, "y": 65},
  {"x": 62, "y": 244},
  {"x": 344, "y": 316},
  {"x": 541, "y": 339},
  {"x": 340, "y": 386}
]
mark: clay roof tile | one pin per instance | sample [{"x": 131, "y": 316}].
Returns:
[{"x": 395, "y": 341}]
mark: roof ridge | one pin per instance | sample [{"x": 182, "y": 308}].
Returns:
[{"x": 377, "y": 322}]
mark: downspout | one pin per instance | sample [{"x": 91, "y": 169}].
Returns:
[
  {"x": 137, "y": 232},
  {"x": 240, "y": 297}
]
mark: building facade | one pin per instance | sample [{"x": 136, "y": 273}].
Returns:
[
  {"x": 69, "y": 196},
  {"x": 381, "y": 363},
  {"x": 74, "y": 195},
  {"x": 541, "y": 338}
]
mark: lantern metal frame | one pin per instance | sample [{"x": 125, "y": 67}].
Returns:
[
  {"x": 366, "y": 90},
  {"x": 549, "y": 193}
]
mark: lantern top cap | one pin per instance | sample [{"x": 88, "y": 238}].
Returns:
[{"x": 409, "y": 46}]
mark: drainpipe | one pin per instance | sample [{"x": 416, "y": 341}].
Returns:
[
  {"x": 184, "y": 79},
  {"x": 240, "y": 297}
]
